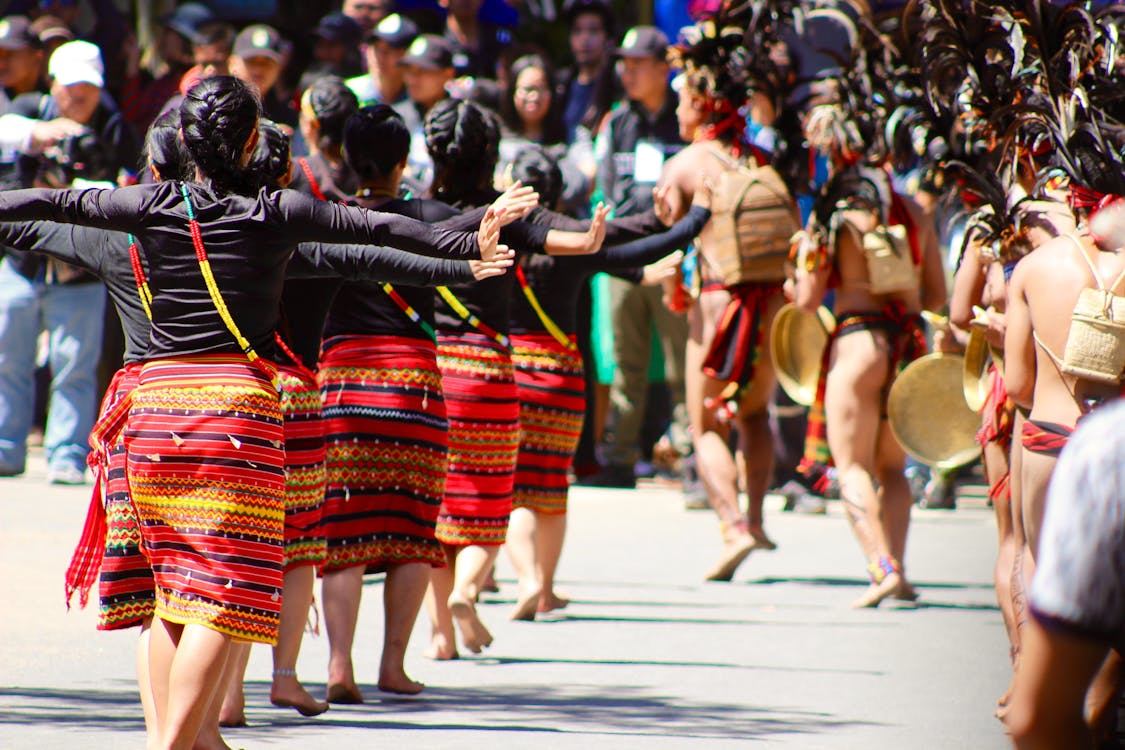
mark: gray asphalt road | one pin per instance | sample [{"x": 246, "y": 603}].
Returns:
[{"x": 647, "y": 655}]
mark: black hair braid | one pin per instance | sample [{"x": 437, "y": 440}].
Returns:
[
  {"x": 218, "y": 116},
  {"x": 375, "y": 140},
  {"x": 165, "y": 150},
  {"x": 271, "y": 159},
  {"x": 536, "y": 168},
  {"x": 463, "y": 140},
  {"x": 333, "y": 103}
]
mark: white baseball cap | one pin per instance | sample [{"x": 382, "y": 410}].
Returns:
[{"x": 77, "y": 62}]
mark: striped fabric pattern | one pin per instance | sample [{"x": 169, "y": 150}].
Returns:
[
  {"x": 304, "y": 467},
  {"x": 1045, "y": 438},
  {"x": 386, "y": 429},
  {"x": 206, "y": 467},
  {"x": 126, "y": 591},
  {"x": 550, "y": 383},
  {"x": 480, "y": 393}
]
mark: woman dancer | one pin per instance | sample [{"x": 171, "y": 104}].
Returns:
[
  {"x": 550, "y": 376},
  {"x": 213, "y": 456}
]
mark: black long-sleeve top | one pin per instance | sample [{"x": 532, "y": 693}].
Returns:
[
  {"x": 556, "y": 279},
  {"x": 364, "y": 309},
  {"x": 249, "y": 241},
  {"x": 491, "y": 299}
]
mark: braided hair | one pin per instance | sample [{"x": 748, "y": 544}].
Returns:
[
  {"x": 331, "y": 102},
  {"x": 271, "y": 160},
  {"x": 164, "y": 150},
  {"x": 534, "y": 167},
  {"x": 464, "y": 142},
  {"x": 218, "y": 116},
  {"x": 376, "y": 140}
]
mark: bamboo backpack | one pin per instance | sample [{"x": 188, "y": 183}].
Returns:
[
  {"x": 753, "y": 218},
  {"x": 1095, "y": 343}
]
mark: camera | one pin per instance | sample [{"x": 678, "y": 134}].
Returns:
[{"x": 81, "y": 156}]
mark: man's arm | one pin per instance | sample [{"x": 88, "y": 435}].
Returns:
[{"x": 1019, "y": 345}]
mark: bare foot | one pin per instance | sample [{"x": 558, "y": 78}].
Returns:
[
  {"x": 398, "y": 683},
  {"x": 345, "y": 694},
  {"x": 734, "y": 552},
  {"x": 474, "y": 635},
  {"x": 551, "y": 601},
  {"x": 232, "y": 718},
  {"x": 905, "y": 592},
  {"x": 490, "y": 584},
  {"x": 761, "y": 541},
  {"x": 442, "y": 649},
  {"x": 527, "y": 604},
  {"x": 289, "y": 693},
  {"x": 210, "y": 740},
  {"x": 877, "y": 592}
]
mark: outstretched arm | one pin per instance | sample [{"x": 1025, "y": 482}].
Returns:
[
  {"x": 649, "y": 249},
  {"x": 120, "y": 209},
  {"x": 80, "y": 246}
]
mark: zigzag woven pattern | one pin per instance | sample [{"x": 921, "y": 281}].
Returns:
[
  {"x": 205, "y": 465},
  {"x": 480, "y": 392},
  {"x": 552, "y": 392},
  {"x": 385, "y": 421},
  {"x": 304, "y": 468}
]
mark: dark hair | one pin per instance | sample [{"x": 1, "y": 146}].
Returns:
[
  {"x": 554, "y": 129},
  {"x": 271, "y": 159},
  {"x": 165, "y": 150},
  {"x": 332, "y": 103},
  {"x": 376, "y": 140},
  {"x": 464, "y": 141},
  {"x": 215, "y": 32},
  {"x": 536, "y": 168},
  {"x": 219, "y": 115}
]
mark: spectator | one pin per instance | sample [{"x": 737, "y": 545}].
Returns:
[
  {"x": 21, "y": 59},
  {"x": 211, "y": 52},
  {"x": 336, "y": 49},
  {"x": 38, "y": 294},
  {"x": 386, "y": 46},
  {"x": 52, "y": 33},
  {"x": 259, "y": 56},
  {"x": 427, "y": 71},
  {"x": 589, "y": 89},
  {"x": 368, "y": 13},
  {"x": 476, "y": 44},
  {"x": 631, "y": 150}
]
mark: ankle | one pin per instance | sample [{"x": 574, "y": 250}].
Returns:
[
  {"x": 878, "y": 570},
  {"x": 734, "y": 529}
]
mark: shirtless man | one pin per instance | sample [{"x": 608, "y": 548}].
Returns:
[
  {"x": 703, "y": 162},
  {"x": 874, "y": 334}
]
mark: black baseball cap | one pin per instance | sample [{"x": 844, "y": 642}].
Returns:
[
  {"x": 187, "y": 19},
  {"x": 644, "y": 41},
  {"x": 16, "y": 33},
  {"x": 259, "y": 40},
  {"x": 336, "y": 27},
  {"x": 397, "y": 31},
  {"x": 573, "y": 8},
  {"x": 429, "y": 51}
]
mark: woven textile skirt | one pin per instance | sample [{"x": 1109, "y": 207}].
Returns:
[
  {"x": 480, "y": 393},
  {"x": 387, "y": 438},
  {"x": 550, "y": 382},
  {"x": 304, "y": 467},
  {"x": 206, "y": 468},
  {"x": 126, "y": 591}
]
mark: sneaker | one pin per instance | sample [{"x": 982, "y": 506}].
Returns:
[
  {"x": 67, "y": 475},
  {"x": 615, "y": 477}
]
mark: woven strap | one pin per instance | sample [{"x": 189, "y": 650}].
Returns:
[
  {"x": 551, "y": 326},
  {"x": 216, "y": 294},
  {"x": 313, "y": 184},
  {"x": 139, "y": 277},
  {"x": 463, "y": 312},
  {"x": 409, "y": 311}
]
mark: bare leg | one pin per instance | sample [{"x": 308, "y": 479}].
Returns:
[
  {"x": 296, "y": 597},
  {"x": 895, "y": 502},
  {"x": 523, "y": 551},
  {"x": 473, "y": 563},
  {"x": 233, "y": 711},
  {"x": 1037, "y": 470},
  {"x": 341, "y": 592},
  {"x": 550, "y": 531},
  {"x": 756, "y": 447},
  {"x": 402, "y": 598},
  {"x": 443, "y": 641},
  {"x": 210, "y": 737},
  {"x": 197, "y": 668},
  {"x": 162, "y": 642},
  {"x": 144, "y": 686},
  {"x": 1020, "y": 559}
]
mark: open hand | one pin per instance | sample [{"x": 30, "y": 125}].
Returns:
[
  {"x": 595, "y": 235},
  {"x": 704, "y": 194},
  {"x": 665, "y": 268},
  {"x": 488, "y": 237},
  {"x": 486, "y": 269},
  {"x": 515, "y": 203}
]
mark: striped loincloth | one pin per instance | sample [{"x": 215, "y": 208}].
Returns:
[
  {"x": 551, "y": 386},
  {"x": 386, "y": 430},
  {"x": 304, "y": 467},
  {"x": 206, "y": 469},
  {"x": 480, "y": 394}
]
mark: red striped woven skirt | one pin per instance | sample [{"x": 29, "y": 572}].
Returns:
[
  {"x": 126, "y": 591},
  {"x": 480, "y": 393},
  {"x": 304, "y": 467},
  {"x": 206, "y": 468},
  {"x": 551, "y": 385},
  {"x": 386, "y": 428}
]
